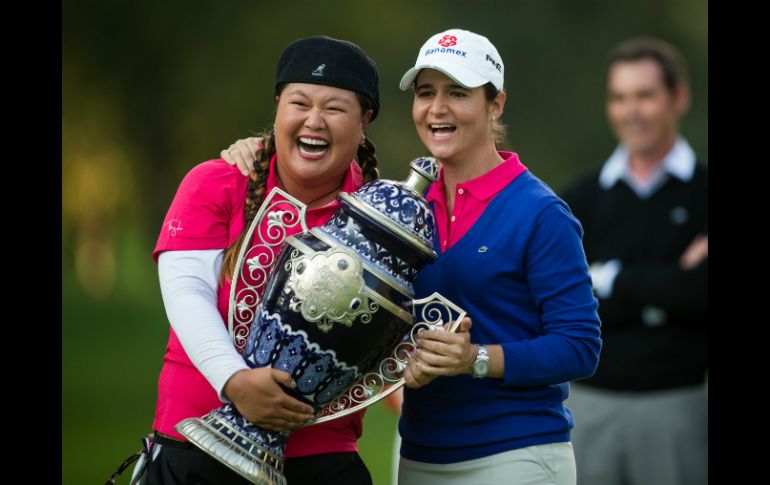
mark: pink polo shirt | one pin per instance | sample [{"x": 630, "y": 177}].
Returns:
[
  {"x": 207, "y": 213},
  {"x": 471, "y": 199}
]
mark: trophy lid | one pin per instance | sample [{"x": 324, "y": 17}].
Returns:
[
  {"x": 424, "y": 171},
  {"x": 401, "y": 206}
]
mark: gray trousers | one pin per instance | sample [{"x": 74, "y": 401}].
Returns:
[{"x": 640, "y": 438}]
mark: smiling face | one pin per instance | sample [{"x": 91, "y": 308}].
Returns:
[
  {"x": 642, "y": 111},
  {"x": 453, "y": 122},
  {"x": 318, "y": 130}
]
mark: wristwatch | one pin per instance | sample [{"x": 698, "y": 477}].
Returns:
[{"x": 480, "y": 366}]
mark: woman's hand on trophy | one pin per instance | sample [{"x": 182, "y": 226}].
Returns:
[
  {"x": 242, "y": 153},
  {"x": 257, "y": 394},
  {"x": 440, "y": 353}
]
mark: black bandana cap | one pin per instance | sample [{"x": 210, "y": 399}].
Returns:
[{"x": 333, "y": 62}]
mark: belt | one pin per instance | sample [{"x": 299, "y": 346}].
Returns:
[{"x": 167, "y": 440}]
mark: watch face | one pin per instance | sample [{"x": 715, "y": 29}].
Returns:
[{"x": 481, "y": 367}]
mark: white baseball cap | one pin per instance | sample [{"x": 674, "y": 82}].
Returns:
[{"x": 469, "y": 59}]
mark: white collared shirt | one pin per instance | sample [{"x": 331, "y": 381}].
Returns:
[{"x": 679, "y": 162}]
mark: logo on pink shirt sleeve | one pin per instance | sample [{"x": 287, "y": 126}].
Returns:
[{"x": 174, "y": 225}]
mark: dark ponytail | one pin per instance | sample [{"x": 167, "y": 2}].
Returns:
[{"x": 499, "y": 130}]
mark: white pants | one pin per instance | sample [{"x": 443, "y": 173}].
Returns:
[{"x": 551, "y": 464}]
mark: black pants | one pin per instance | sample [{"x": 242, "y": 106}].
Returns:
[
  {"x": 178, "y": 463},
  {"x": 328, "y": 468}
]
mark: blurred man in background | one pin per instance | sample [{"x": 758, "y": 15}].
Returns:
[{"x": 643, "y": 417}]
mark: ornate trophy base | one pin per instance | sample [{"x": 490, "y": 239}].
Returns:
[{"x": 246, "y": 455}]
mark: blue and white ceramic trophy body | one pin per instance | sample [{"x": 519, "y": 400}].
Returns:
[{"x": 333, "y": 306}]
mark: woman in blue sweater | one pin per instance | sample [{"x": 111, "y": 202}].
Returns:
[{"x": 486, "y": 406}]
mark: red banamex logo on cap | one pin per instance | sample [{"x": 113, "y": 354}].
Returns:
[{"x": 448, "y": 41}]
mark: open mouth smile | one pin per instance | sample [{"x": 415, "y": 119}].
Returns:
[
  {"x": 312, "y": 147},
  {"x": 442, "y": 130}
]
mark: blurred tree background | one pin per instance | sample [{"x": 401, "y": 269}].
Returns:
[{"x": 152, "y": 88}]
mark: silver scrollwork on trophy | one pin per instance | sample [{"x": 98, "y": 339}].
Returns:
[{"x": 333, "y": 306}]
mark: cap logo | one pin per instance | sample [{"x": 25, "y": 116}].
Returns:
[
  {"x": 447, "y": 41},
  {"x": 444, "y": 50},
  {"x": 319, "y": 71},
  {"x": 494, "y": 63}
]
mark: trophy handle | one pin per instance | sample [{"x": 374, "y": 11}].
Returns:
[
  {"x": 430, "y": 314},
  {"x": 258, "y": 257}
]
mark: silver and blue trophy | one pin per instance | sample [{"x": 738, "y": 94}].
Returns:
[{"x": 333, "y": 306}]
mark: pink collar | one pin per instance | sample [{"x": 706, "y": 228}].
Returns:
[{"x": 487, "y": 185}]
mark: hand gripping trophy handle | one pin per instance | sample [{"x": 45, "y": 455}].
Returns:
[{"x": 432, "y": 313}]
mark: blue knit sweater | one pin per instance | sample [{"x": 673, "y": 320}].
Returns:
[{"x": 529, "y": 291}]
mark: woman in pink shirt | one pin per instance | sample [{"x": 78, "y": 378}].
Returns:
[{"x": 326, "y": 93}]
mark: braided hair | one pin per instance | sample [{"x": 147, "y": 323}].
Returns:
[
  {"x": 257, "y": 185},
  {"x": 365, "y": 156}
]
